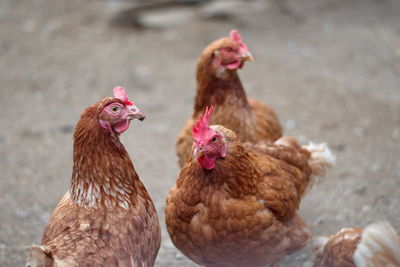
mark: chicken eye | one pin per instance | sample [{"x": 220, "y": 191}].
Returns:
[
  {"x": 228, "y": 49},
  {"x": 214, "y": 139},
  {"x": 114, "y": 109}
]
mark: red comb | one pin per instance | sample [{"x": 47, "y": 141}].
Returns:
[
  {"x": 235, "y": 36},
  {"x": 201, "y": 128},
  {"x": 120, "y": 93}
]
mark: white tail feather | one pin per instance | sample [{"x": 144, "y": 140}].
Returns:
[
  {"x": 321, "y": 158},
  {"x": 379, "y": 246}
]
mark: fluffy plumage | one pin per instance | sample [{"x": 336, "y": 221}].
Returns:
[
  {"x": 218, "y": 84},
  {"x": 242, "y": 210},
  {"x": 378, "y": 245},
  {"x": 107, "y": 217}
]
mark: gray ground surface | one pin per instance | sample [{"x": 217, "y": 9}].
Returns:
[{"x": 330, "y": 69}]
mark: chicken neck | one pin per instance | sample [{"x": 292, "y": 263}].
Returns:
[
  {"x": 217, "y": 90},
  {"x": 103, "y": 174}
]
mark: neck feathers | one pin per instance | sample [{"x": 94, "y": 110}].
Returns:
[
  {"x": 103, "y": 174},
  {"x": 236, "y": 173},
  {"x": 217, "y": 88},
  {"x": 243, "y": 176}
]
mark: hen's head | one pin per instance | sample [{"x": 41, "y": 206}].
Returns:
[
  {"x": 228, "y": 53},
  {"x": 209, "y": 143},
  {"x": 117, "y": 112}
]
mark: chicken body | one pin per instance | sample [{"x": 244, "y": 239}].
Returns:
[
  {"x": 221, "y": 87},
  {"x": 378, "y": 245},
  {"x": 107, "y": 217},
  {"x": 243, "y": 211},
  {"x": 78, "y": 236}
]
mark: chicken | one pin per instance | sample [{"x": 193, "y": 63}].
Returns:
[
  {"x": 378, "y": 245},
  {"x": 218, "y": 84},
  {"x": 107, "y": 217},
  {"x": 234, "y": 203}
]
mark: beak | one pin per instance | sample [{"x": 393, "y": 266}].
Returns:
[
  {"x": 140, "y": 115},
  {"x": 198, "y": 152},
  {"x": 136, "y": 113},
  {"x": 247, "y": 56}
]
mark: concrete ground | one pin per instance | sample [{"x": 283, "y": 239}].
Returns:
[{"x": 330, "y": 69}]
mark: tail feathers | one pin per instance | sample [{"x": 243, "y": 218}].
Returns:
[
  {"x": 39, "y": 256},
  {"x": 321, "y": 158},
  {"x": 379, "y": 246}
]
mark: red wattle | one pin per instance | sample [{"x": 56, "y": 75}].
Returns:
[
  {"x": 234, "y": 65},
  {"x": 122, "y": 126},
  {"x": 206, "y": 162},
  {"x": 200, "y": 160},
  {"x": 209, "y": 163}
]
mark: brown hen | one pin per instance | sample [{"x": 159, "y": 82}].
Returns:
[
  {"x": 235, "y": 204},
  {"x": 107, "y": 217},
  {"x": 218, "y": 84},
  {"x": 378, "y": 245}
]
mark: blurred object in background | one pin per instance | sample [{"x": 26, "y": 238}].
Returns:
[
  {"x": 218, "y": 84},
  {"x": 132, "y": 16},
  {"x": 161, "y": 13}
]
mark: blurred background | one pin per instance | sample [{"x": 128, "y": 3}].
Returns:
[{"x": 330, "y": 69}]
